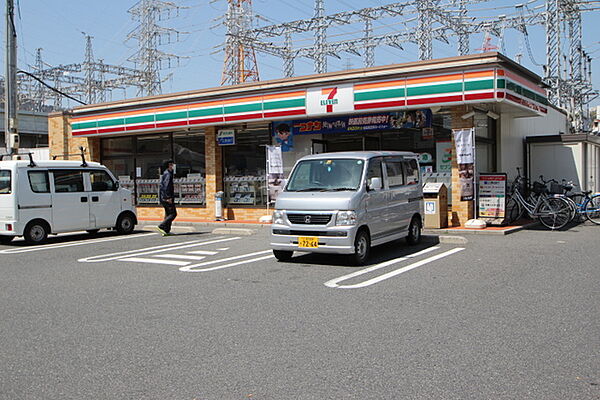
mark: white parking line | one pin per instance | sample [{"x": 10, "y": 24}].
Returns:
[
  {"x": 193, "y": 268},
  {"x": 181, "y": 257},
  {"x": 334, "y": 283},
  {"x": 155, "y": 261},
  {"x": 153, "y": 250},
  {"x": 71, "y": 244},
  {"x": 205, "y": 252}
]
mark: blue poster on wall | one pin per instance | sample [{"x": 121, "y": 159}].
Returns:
[{"x": 284, "y": 131}]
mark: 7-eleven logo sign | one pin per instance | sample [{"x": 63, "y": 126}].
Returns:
[{"x": 331, "y": 100}]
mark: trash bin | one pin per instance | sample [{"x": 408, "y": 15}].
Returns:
[
  {"x": 219, "y": 206},
  {"x": 435, "y": 197}
]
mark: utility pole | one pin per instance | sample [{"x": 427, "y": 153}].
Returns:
[{"x": 11, "y": 134}]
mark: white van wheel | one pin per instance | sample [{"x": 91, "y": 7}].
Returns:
[
  {"x": 125, "y": 224},
  {"x": 36, "y": 232},
  {"x": 414, "y": 231},
  {"x": 362, "y": 247}
]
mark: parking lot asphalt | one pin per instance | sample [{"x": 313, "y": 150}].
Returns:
[{"x": 203, "y": 316}]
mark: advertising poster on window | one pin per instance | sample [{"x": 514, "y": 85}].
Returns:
[
  {"x": 465, "y": 159},
  {"x": 443, "y": 156},
  {"x": 282, "y": 131},
  {"x": 492, "y": 196},
  {"x": 275, "y": 177}
]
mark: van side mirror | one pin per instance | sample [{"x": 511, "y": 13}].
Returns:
[
  {"x": 375, "y": 184},
  {"x": 116, "y": 186}
]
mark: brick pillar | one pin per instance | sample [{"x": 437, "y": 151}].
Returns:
[
  {"x": 462, "y": 211},
  {"x": 58, "y": 134},
  {"x": 61, "y": 142},
  {"x": 214, "y": 168}
]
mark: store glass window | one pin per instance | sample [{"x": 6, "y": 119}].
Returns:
[
  {"x": 190, "y": 172},
  {"x": 151, "y": 154},
  {"x": 118, "y": 155},
  {"x": 244, "y": 167}
]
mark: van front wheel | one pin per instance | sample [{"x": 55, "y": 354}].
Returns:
[
  {"x": 362, "y": 247},
  {"x": 36, "y": 232}
]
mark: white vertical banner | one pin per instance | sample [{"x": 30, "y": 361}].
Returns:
[
  {"x": 465, "y": 158},
  {"x": 274, "y": 160},
  {"x": 464, "y": 146},
  {"x": 275, "y": 177}
]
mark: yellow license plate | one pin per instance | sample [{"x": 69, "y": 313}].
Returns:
[{"x": 309, "y": 242}]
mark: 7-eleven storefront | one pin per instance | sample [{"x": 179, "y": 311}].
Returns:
[{"x": 218, "y": 136}]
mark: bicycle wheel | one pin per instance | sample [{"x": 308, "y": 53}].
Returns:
[
  {"x": 554, "y": 213},
  {"x": 592, "y": 209},
  {"x": 579, "y": 200},
  {"x": 573, "y": 207},
  {"x": 514, "y": 211}
]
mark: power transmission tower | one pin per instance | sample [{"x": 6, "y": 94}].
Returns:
[
  {"x": 567, "y": 69},
  {"x": 150, "y": 36},
  {"x": 239, "y": 64}
]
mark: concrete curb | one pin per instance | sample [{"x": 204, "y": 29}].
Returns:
[
  {"x": 203, "y": 226},
  {"x": 449, "y": 239},
  {"x": 234, "y": 231}
]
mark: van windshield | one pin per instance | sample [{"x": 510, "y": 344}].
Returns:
[
  {"x": 326, "y": 175},
  {"x": 5, "y": 182}
]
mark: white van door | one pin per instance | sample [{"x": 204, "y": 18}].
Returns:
[
  {"x": 398, "y": 197},
  {"x": 70, "y": 201},
  {"x": 105, "y": 199},
  {"x": 376, "y": 201},
  {"x": 413, "y": 190},
  {"x": 35, "y": 199}
]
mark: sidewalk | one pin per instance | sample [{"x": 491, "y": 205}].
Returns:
[{"x": 490, "y": 230}]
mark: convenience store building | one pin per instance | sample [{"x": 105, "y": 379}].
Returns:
[{"x": 410, "y": 107}]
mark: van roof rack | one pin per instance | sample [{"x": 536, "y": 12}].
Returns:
[
  {"x": 81, "y": 154},
  {"x": 30, "y": 155}
]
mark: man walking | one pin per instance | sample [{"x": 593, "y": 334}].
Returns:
[{"x": 167, "y": 198}]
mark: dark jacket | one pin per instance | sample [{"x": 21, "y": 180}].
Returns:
[{"x": 167, "y": 190}]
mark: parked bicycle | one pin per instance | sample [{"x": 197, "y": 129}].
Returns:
[
  {"x": 552, "y": 212},
  {"x": 583, "y": 204}
]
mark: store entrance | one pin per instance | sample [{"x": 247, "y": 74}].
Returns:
[{"x": 347, "y": 142}]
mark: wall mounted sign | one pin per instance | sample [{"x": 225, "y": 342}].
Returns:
[{"x": 226, "y": 137}]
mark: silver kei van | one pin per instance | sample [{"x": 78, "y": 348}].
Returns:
[{"x": 344, "y": 203}]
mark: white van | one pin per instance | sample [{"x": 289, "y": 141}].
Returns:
[
  {"x": 344, "y": 203},
  {"x": 49, "y": 197}
]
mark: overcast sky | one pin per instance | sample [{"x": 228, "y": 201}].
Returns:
[{"x": 57, "y": 27}]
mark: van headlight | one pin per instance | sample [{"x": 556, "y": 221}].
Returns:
[
  {"x": 278, "y": 217},
  {"x": 347, "y": 218}
]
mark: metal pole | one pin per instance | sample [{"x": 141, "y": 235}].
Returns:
[{"x": 10, "y": 100}]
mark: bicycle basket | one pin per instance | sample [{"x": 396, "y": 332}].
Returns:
[
  {"x": 538, "y": 188},
  {"x": 556, "y": 188}
]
